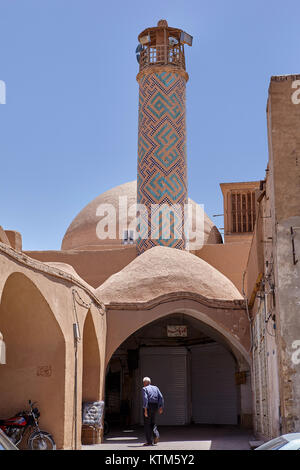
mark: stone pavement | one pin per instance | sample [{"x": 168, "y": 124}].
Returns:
[{"x": 194, "y": 437}]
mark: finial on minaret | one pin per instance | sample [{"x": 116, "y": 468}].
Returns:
[{"x": 162, "y": 23}]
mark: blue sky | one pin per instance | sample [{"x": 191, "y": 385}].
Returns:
[{"x": 68, "y": 131}]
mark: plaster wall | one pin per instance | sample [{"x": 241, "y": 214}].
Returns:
[
  {"x": 229, "y": 259},
  {"x": 284, "y": 149},
  {"x": 36, "y": 320},
  {"x": 94, "y": 266},
  {"x": 3, "y": 237},
  {"x": 15, "y": 239}
]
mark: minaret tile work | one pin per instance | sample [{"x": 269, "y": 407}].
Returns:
[{"x": 162, "y": 163}]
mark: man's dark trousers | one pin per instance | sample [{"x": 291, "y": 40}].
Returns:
[{"x": 150, "y": 426}]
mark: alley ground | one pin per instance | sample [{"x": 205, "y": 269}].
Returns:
[{"x": 195, "y": 437}]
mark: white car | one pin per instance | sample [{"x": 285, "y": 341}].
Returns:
[
  {"x": 285, "y": 442},
  {"x": 5, "y": 442}
]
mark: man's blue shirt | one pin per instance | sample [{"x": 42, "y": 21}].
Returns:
[{"x": 152, "y": 394}]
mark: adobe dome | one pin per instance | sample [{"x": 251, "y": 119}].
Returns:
[
  {"x": 161, "y": 270},
  {"x": 82, "y": 231}
]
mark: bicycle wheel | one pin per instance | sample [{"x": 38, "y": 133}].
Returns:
[{"x": 41, "y": 440}]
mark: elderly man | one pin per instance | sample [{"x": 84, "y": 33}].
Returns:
[{"x": 153, "y": 401}]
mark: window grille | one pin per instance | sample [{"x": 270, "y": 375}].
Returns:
[
  {"x": 243, "y": 211},
  {"x": 162, "y": 54}
]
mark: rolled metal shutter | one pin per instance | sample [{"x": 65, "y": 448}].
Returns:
[
  {"x": 214, "y": 392},
  {"x": 167, "y": 368}
]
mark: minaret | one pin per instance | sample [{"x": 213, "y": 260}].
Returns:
[{"x": 162, "y": 165}]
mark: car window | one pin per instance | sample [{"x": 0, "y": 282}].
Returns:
[
  {"x": 292, "y": 445},
  {"x": 6, "y": 443},
  {"x": 274, "y": 444}
]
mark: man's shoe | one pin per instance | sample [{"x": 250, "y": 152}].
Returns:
[{"x": 147, "y": 444}]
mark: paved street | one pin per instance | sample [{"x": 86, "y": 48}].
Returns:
[{"x": 196, "y": 437}]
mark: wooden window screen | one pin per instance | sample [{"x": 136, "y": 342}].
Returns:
[{"x": 243, "y": 211}]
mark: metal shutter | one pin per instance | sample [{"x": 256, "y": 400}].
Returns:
[
  {"x": 214, "y": 392},
  {"x": 167, "y": 368}
]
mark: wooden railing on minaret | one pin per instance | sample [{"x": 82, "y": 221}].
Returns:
[{"x": 162, "y": 46}]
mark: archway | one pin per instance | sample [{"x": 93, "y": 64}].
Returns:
[
  {"x": 91, "y": 362},
  {"x": 91, "y": 369},
  {"x": 35, "y": 355},
  {"x": 196, "y": 367}
]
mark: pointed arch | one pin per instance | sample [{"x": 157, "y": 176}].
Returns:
[
  {"x": 35, "y": 355},
  {"x": 227, "y": 320},
  {"x": 91, "y": 372}
]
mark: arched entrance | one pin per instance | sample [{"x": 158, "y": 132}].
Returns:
[
  {"x": 195, "y": 366},
  {"x": 91, "y": 378},
  {"x": 91, "y": 362},
  {"x": 35, "y": 355}
]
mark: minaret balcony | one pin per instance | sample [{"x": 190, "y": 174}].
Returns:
[{"x": 162, "y": 55}]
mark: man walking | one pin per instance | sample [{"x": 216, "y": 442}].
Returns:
[{"x": 153, "y": 401}]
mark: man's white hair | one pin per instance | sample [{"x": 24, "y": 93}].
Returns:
[{"x": 147, "y": 379}]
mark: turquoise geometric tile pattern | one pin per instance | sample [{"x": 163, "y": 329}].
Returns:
[{"x": 162, "y": 169}]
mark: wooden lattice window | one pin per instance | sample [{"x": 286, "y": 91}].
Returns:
[
  {"x": 242, "y": 211},
  {"x": 162, "y": 54}
]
